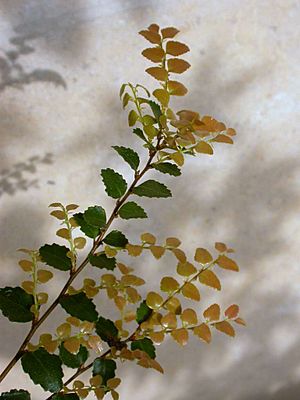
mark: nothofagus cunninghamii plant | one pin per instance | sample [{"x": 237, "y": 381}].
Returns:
[{"x": 87, "y": 340}]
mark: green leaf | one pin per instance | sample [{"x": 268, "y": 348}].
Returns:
[
  {"x": 128, "y": 155},
  {"x": 140, "y": 134},
  {"x": 115, "y": 184},
  {"x": 155, "y": 109},
  {"x": 73, "y": 360},
  {"x": 107, "y": 330},
  {"x": 143, "y": 312},
  {"x": 116, "y": 239},
  {"x": 44, "y": 369},
  {"x": 145, "y": 345},
  {"x": 15, "y": 394},
  {"x": 132, "y": 210},
  {"x": 132, "y": 117},
  {"x": 69, "y": 396},
  {"x": 56, "y": 256},
  {"x": 104, "y": 367},
  {"x": 15, "y": 304},
  {"x": 79, "y": 306},
  {"x": 101, "y": 260},
  {"x": 167, "y": 168},
  {"x": 90, "y": 231},
  {"x": 95, "y": 216},
  {"x": 122, "y": 88},
  {"x": 152, "y": 188}
]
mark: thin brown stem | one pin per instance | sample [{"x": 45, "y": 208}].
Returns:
[{"x": 73, "y": 275}]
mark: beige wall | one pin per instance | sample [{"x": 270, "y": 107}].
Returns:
[{"x": 55, "y": 136}]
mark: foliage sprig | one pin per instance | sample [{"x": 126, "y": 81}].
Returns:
[{"x": 87, "y": 340}]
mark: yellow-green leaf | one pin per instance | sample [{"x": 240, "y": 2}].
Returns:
[
  {"x": 79, "y": 242},
  {"x": 203, "y": 332},
  {"x": 203, "y": 256},
  {"x": 154, "y": 300},
  {"x": 132, "y": 117},
  {"x": 186, "y": 269},
  {"x": 203, "y": 147},
  {"x": 181, "y": 336},
  {"x": 44, "y": 276},
  {"x": 168, "y": 284},
  {"x": 162, "y": 96},
  {"x": 227, "y": 263},
  {"x": 28, "y": 286},
  {"x": 212, "y": 313},
  {"x": 26, "y": 265},
  {"x": 225, "y": 327},
  {"x": 209, "y": 278},
  {"x": 58, "y": 214}
]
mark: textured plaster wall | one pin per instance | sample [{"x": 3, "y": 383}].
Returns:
[{"x": 59, "y": 115}]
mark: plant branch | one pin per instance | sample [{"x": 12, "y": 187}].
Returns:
[{"x": 73, "y": 275}]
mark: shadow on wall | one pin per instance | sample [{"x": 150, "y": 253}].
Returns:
[
  {"x": 19, "y": 176},
  {"x": 14, "y": 74}
]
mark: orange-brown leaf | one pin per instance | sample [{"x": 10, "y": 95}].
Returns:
[
  {"x": 240, "y": 321},
  {"x": 232, "y": 311},
  {"x": 221, "y": 247},
  {"x": 169, "y": 321},
  {"x": 212, "y": 313},
  {"x": 158, "y": 73},
  {"x": 173, "y": 305},
  {"x": 176, "y": 88},
  {"x": 189, "y": 317},
  {"x": 190, "y": 291},
  {"x": 176, "y": 48},
  {"x": 209, "y": 278},
  {"x": 151, "y": 36},
  {"x": 169, "y": 32},
  {"x": 157, "y": 337},
  {"x": 154, "y": 54},
  {"x": 203, "y": 332},
  {"x": 225, "y": 327},
  {"x": 157, "y": 251},
  {"x": 177, "y": 65},
  {"x": 180, "y": 255},
  {"x": 181, "y": 336},
  {"x": 223, "y": 139},
  {"x": 203, "y": 256},
  {"x": 227, "y": 263}
]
